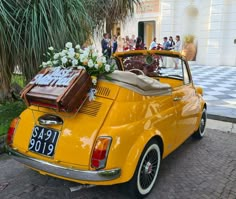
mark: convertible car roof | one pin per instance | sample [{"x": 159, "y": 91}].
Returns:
[{"x": 142, "y": 84}]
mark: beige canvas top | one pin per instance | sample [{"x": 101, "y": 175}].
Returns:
[{"x": 140, "y": 83}]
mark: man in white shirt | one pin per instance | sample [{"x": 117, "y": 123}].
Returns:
[
  {"x": 153, "y": 45},
  {"x": 177, "y": 47}
]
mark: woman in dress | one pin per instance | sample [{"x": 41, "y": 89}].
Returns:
[
  {"x": 120, "y": 44},
  {"x": 139, "y": 44}
]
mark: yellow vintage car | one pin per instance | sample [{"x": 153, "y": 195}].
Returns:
[{"x": 146, "y": 109}]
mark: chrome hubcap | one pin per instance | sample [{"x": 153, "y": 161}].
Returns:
[{"x": 148, "y": 168}]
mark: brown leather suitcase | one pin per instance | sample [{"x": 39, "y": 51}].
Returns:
[{"x": 61, "y": 89}]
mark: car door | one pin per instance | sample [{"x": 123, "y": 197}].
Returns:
[{"x": 187, "y": 105}]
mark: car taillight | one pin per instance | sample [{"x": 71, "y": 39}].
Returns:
[
  {"x": 100, "y": 152},
  {"x": 11, "y": 130}
]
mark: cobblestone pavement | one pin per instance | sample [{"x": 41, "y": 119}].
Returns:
[{"x": 204, "y": 169}]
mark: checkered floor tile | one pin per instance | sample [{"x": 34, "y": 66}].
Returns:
[{"x": 219, "y": 84}]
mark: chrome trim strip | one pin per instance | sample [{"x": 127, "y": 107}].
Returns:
[{"x": 83, "y": 175}]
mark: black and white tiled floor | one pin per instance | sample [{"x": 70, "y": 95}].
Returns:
[{"x": 219, "y": 84}]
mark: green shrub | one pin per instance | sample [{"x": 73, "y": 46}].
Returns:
[
  {"x": 19, "y": 79},
  {"x": 9, "y": 111}
]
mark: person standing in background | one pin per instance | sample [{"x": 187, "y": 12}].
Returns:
[
  {"x": 153, "y": 45},
  {"x": 109, "y": 46},
  {"x": 177, "y": 47},
  {"x": 139, "y": 44},
  {"x": 105, "y": 45},
  {"x": 132, "y": 42},
  {"x": 171, "y": 42},
  {"x": 126, "y": 43},
  {"x": 114, "y": 44},
  {"x": 166, "y": 44},
  {"x": 120, "y": 44}
]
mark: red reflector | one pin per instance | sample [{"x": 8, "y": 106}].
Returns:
[
  {"x": 95, "y": 163},
  {"x": 10, "y": 135},
  {"x": 11, "y": 131},
  {"x": 98, "y": 154}
]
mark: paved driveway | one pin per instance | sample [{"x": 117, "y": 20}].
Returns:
[{"x": 198, "y": 170}]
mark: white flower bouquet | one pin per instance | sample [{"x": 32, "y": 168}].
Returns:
[{"x": 76, "y": 57}]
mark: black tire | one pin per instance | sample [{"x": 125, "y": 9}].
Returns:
[
  {"x": 201, "y": 129},
  {"x": 146, "y": 171}
]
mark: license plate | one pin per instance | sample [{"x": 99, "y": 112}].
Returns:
[{"x": 43, "y": 140}]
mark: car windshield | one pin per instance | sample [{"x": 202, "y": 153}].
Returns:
[{"x": 154, "y": 65}]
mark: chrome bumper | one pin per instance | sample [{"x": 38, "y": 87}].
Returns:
[{"x": 83, "y": 175}]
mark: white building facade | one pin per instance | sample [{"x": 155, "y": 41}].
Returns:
[{"x": 212, "y": 22}]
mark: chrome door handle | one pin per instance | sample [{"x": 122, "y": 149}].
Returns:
[{"x": 177, "y": 98}]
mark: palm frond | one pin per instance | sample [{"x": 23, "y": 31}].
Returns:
[{"x": 29, "y": 27}]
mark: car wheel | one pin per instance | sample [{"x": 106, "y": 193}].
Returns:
[
  {"x": 201, "y": 129},
  {"x": 146, "y": 171}
]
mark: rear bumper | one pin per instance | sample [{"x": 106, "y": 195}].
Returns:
[{"x": 81, "y": 175}]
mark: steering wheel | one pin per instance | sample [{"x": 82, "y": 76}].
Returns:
[{"x": 135, "y": 69}]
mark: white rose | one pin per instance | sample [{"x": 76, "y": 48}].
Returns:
[
  {"x": 68, "y": 45},
  {"x": 103, "y": 59},
  {"x": 49, "y": 63},
  {"x": 51, "y": 48},
  {"x": 96, "y": 66},
  {"x": 83, "y": 59},
  {"x": 71, "y": 50},
  {"x": 56, "y": 56},
  {"x": 55, "y": 62},
  {"x": 81, "y": 67},
  {"x": 95, "y": 54},
  {"x": 99, "y": 59},
  {"x": 71, "y": 54},
  {"x": 77, "y": 46},
  {"x": 61, "y": 54},
  {"x": 90, "y": 63},
  {"x": 64, "y": 60},
  {"x": 44, "y": 64},
  {"x": 65, "y": 51},
  {"x": 107, "y": 68},
  {"x": 74, "y": 62},
  {"x": 86, "y": 53}
]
